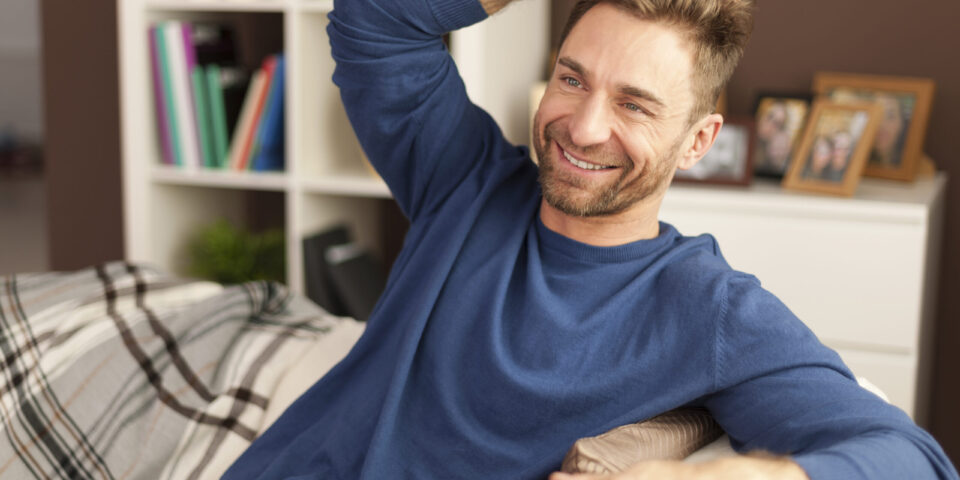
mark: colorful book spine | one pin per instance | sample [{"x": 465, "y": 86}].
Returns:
[
  {"x": 218, "y": 115},
  {"x": 204, "y": 125},
  {"x": 167, "y": 78},
  {"x": 270, "y": 150},
  {"x": 244, "y": 122},
  {"x": 198, "y": 96},
  {"x": 182, "y": 91},
  {"x": 160, "y": 101},
  {"x": 246, "y": 152}
]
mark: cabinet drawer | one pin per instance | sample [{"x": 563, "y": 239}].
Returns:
[{"x": 855, "y": 283}]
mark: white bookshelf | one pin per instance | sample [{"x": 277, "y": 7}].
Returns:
[{"x": 325, "y": 181}]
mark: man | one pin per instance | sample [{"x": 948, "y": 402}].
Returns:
[{"x": 530, "y": 308}]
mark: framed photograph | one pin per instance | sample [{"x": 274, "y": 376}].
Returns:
[
  {"x": 898, "y": 147},
  {"x": 779, "y": 119},
  {"x": 834, "y": 148},
  {"x": 729, "y": 160}
]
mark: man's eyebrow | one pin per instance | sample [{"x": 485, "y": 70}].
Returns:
[
  {"x": 623, "y": 88},
  {"x": 640, "y": 93},
  {"x": 573, "y": 65}
]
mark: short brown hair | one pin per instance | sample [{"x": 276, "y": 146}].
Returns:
[{"x": 718, "y": 30}]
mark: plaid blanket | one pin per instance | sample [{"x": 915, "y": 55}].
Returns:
[{"x": 121, "y": 371}]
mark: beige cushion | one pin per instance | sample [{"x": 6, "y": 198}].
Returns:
[
  {"x": 676, "y": 435},
  {"x": 671, "y": 436}
]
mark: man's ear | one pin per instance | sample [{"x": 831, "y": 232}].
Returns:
[{"x": 704, "y": 134}]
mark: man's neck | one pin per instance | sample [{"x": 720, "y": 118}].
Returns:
[{"x": 639, "y": 223}]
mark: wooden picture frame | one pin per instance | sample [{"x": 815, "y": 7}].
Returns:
[
  {"x": 729, "y": 161},
  {"x": 834, "y": 148},
  {"x": 898, "y": 148},
  {"x": 779, "y": 118}
]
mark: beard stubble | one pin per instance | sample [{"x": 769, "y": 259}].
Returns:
[{"x": 562, "y": 191}]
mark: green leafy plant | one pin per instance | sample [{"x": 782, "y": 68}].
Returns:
[{"x": 223, "y": 253}]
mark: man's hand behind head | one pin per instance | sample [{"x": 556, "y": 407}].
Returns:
[{"x": 493, "y": 6}]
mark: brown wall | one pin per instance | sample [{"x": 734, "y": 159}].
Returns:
[
  {"x": 82, "y": 132},
  {"x": 792, "y": 40}
]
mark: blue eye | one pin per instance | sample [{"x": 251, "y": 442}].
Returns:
[
  {"x": 573, "y": 82},
  {"x": 633, "y": 108}
]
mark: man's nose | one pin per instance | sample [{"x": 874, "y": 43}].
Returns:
[{"x": 590, "y": 124}]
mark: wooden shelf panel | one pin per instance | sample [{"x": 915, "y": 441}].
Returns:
[
  {"x": 358, "y": 185},
  {"x": 270, "y": 181},
  {"x": 218, "y": 5},
  {"x": 876, "y": 200},
  {"x": 315, "y": 6}
]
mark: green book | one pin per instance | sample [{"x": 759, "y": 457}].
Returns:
[
  {"x": 202, "y": 105},
  {"x": 218, "y": 115},
  {"x": 168, "y": 94}
]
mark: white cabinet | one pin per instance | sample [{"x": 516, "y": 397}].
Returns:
[
  {"x": 325, "y": 181},
  {"x": 860, "y": 272}
]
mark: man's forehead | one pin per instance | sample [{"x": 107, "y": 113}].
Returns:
[{"x": 625, "y": 49}]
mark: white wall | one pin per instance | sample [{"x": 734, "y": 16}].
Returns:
[
  {"x": 21, "y": 85},
  {"x": 501, "y": 58},
  {"x": 23, "y": 229}
]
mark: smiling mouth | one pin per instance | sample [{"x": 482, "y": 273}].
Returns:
[{"x": 583, "y": 164}]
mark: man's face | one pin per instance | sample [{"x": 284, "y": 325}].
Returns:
[{"x": 614, "y": 117}]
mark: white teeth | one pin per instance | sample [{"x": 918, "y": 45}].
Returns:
[{"x": 583, "y": 165}]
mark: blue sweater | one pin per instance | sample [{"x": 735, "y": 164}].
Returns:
[{"x": 498, "y": 342}]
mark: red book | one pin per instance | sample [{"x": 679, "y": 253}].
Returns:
[{"x": 269, "y": 65}]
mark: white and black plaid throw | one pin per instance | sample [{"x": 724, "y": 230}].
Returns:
[{"x": 120, "y": 371}]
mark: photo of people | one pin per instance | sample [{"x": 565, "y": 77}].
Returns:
[
  {"x": 833, "y": 152},
  {"x": 892, "y": 132},
  {"x": 779, "y": 123},
  {"x": 836, "y": 131},
  {"x": 905, "y": 103}
]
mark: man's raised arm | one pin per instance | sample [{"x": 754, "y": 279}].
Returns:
[{"x": 404, "y": 97}]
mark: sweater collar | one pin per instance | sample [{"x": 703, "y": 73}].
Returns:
[{"x": 589, "y": 253}]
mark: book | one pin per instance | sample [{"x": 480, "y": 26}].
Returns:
[
  {"x": 260, "y": 99},
  {"x": 234, "y": 83},
  {"x": 358, "y": 278},
  {"x": 204, "y": 123},
  {"x": 201, "y": 106},
  {"x": 182, "y": 93},
  {"x": 218, "y": 114},
  {"x": 242, "y": 130},
  {"x": 318, "y": 283},
  {"x": 166, "y": 77},
  {"x": 269, "y": 152},
  {"x": 160, "y": 100}
]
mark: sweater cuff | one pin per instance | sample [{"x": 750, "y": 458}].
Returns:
[{"x": 456, "y": 14}]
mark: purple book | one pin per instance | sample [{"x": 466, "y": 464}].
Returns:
[{"x": 163, "y": 125}]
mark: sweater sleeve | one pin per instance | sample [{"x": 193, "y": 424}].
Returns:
[
  {"x": 778, "y": 389},
  {"x": 405, "y": 98}
]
